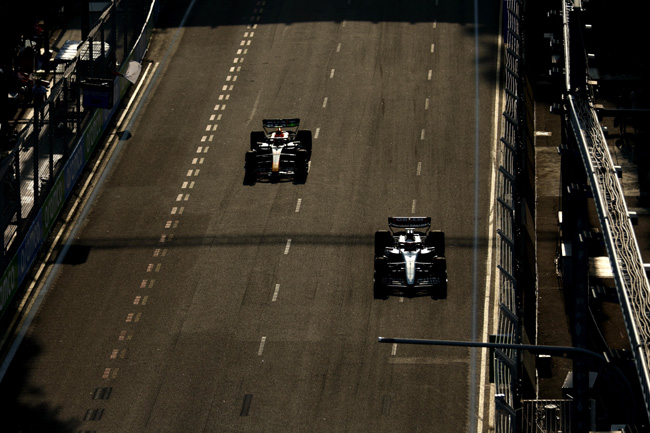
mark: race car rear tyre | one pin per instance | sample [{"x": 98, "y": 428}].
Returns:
[
  {"x": 436, "y": 240},
  {"x": 383, "y": 240},
  {"x": 256, "y": 137},
  {"x": 304, "y": 137}
]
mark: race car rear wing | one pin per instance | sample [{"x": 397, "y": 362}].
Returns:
[
  {"x": 280, "y": 123},
  {"x": 409, "y": 222}
]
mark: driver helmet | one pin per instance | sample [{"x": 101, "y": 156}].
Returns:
[
  {"x": 278, "y": 133},
  {"x": 410, "y": 245}
]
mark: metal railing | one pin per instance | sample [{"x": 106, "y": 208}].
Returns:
[
  {"x": 506, "y": 360},
  {"x": 619, "y": 236},
  {"x": 38, "y": 174}
]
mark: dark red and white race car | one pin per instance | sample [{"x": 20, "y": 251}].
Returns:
[{"x": 281, "y": 151}]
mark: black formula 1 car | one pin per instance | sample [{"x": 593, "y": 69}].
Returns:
[
  {"x": 410, "y": 259},
  {"x": 280, "y": 152}
]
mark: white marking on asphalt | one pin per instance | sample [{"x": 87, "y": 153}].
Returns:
[
  {"x": 275, "y": 294},
  {"x": 174, "y": 210},
  {"x": 543, "y": 133},
  {"x": 163, "y": 237},
  {"x": 179, "y": 197},
  {"x": 201, "y": 160},
  {"x": 186, "y": 198},
  {"x": 422, "y": 135},
  {"x": 189, "y": 172},
  {"x": 211, "y": 137},
  {"x": 261, "y": 349},
  {"x": 434, "y": 24},
  {"x": 194, "y": 161},
  {"x": 214, "y": 128},
  {"x": 168, "y": 224},
  {"x": 207, "y": 128},
  {"x": 199, "y": 149},
  {"x": 221, "y": 99},
  {"x": 235, "y": 60},
  {"x": 184, "y": 185},
  {"x": 191, "y": 184},
  {"x": 298, "y": 205},
  {"x": 332, "y": 73},
  {"x": 430, "y": 75},
  {"x": 205, "y": 137},
  {"x": 338, "y": 47},
  {"x": 248, "y": 43},
  {"x": 229, "y": 77},
  {"x": 419, "y": 169},
  {"x": 325, "y": 102},
  {"x": 413, "y": 207},
  {"x": 180, "y": 210},
  {"x": 393, "y": 351},
  {"x": 216, "y": 107},
  {"x": 234, "y": 78},
  {"x": 205, "y": 149},
  {"x": 286, "y": 249},
  {"x": 426, "y": 104},
  {"x": 316, "y": 133},
  {"x": 196, "y": 172},
  {"x": 432, "y": 47}
]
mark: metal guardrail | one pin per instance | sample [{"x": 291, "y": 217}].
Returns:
[
  {"x": 506, "y": 360},
  {"x": 619, "y": 236},
  {"x": 38, "y": 175}
]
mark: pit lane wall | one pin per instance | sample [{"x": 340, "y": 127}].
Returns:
[{"x": 25, "y": 256}]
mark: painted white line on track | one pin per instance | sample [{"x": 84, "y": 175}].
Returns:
[
  {"x": 184, "y": 185},
  {"x": 434, "y": 24},
  {"x": 298, "y": 205},
  {"x": 205, "y": 137},
  {"x": 413, "y": 207},
  {"x": 179, "y": 197},
  {"x": 393, "y": 351},
  {"x": 275, "y": 293},
  {"x": 325, "y": 102},
  {"x": 286, "y": 249},
  {"x": 422, "y": 135},
  {"x": 432, "y": 47},
  {"x": 317, "y": 132},
  {"x": 189, "y": 172},
  {"x": 196, "y": 172},
  {"x": 429, "y": 75},
  {"x": 419, "y": 169},
  {"x": 338, "y": 47},
  {"x": 261, "y": 349},
  {"x": 332, "y": 73},
  {"x": 426, "y": 104}
]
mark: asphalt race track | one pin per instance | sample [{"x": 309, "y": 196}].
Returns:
[{"x": 191, "y": 302}]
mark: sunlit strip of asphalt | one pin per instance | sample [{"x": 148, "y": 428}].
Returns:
[{"x": 73, "y": 234}]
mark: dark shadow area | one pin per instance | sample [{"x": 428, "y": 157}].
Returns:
[
  {"x": 76, "y": 255},
  {"x": 19, "y": 417}
]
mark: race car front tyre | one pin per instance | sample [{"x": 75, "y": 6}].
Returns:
[
  {"x": 304, "y": 137},
  {"x": 302, "y": 163},
  {"x": 383, "y": 240},
  {"x": 250, "y": 167},
  {"x": 256, "y": 137},
  {"x": 440, "y": 272},
  {"x": 381, "y": 273}
]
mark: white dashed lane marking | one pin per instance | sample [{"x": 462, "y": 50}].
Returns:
[
  {"x": 430, "y": 74},
  {"x": 261, "y": 349},
  {"x": 413, "y": 207},
  {"x": 325, "y": 102},
  {"x": 393, "y": 351},
  {"x": 422, "y": 135},
  {"x": 332, "y": 73},
  {"x": 286, "y": 248},
  {"x": 275, "y": 293},
  {"x": 432, "y": 47},
  {"x": 426, "y": 104},
  {"x": 317, "y": 132},
  {"x": 298, "y": 205},
  {"x": 419, "y": 169}
]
